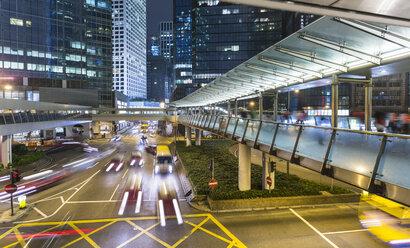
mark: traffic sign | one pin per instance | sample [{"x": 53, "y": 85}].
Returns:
[
  {"x": 11, "y": 188},
  {"x": 269, "y": 181},
  {"x": 213, "y": 183}
]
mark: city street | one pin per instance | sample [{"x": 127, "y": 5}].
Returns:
[{"x": 84, "y": 211}]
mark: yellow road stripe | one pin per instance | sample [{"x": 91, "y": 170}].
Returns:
[
  {"x": 34, "y": 235},
  {"x": 192, "y": 231},
  {"x": 211, "y": 233},
  {"x": 150, "y": 235},
  {"x": 230, "y": 245},
  {"x": 90, "y": 221},
  {"x": 8, "y": 232},
  {"x": 138, "y": 235},
  {"x": 88, "y": 234},
  {"x": 235, "y": 239},
  {"x": 83, "y": 235},
  {"x": 19, "y": 238}
]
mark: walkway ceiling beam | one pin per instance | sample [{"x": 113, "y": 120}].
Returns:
[
  {"x": 261, "y": 77},
  {"x": 252, "y": 82},
  {"x": 377, "y": 31},
  {"x": 311, "y": 58},
  {"x": 290, "y": 66},
  {"x": 341, "y": 48},
  {"x": 240, "y": 84},
  {"x": 274, "y": 72}
]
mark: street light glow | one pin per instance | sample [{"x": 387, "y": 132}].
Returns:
[{"x": 8, "y": 87}]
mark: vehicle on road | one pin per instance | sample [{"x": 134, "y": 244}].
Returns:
[
  {"x": 116, "y": 138},
  {"x": 163, "y": 160},
  {"x": 116, "y": 163},
  {"x": 136, "y": 159},
  {"x": 152, "y": 149}
]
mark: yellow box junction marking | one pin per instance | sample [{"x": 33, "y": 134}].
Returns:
[{"x": 234, "y": 242}]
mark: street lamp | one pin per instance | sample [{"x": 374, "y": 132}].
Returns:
[
  {"x": 8, "y": 87},
  {"x": 251, "y": 103}
]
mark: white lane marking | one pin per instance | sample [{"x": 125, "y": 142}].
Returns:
[
  {"x": 97, "y": 163},
  {"x": 340, "y": 232},
  {"x": 124, "y": 174},
  {"x": 40, "y": 212},
  {"x": 138, "y": 206},
  {"x": 123, "y": 203},
  {"x": 68, "y": 199},
  {"x": 177, "y": 211},
  {"x": 161, "y": 212},
  {"x": 115, "y": 190},
  {"x": 62, "y": 199},
  {"x": 313, "y": 228}
]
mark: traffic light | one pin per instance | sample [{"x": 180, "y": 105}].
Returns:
[
  {"x": 272, "y": 166},
  {"x": 15, "y": 176}
]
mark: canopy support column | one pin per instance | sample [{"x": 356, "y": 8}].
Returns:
[
  {"x": 275, "y": 106},
  {"x": 335, "y": 100},
  {"x": 260, "y": 106},
  {"x": 236, "y": 108},
  {"x": 368, "y": 105},
  {"x": 229, "y": 107}
]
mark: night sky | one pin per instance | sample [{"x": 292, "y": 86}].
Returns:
[{"x": 157, "y": 11}]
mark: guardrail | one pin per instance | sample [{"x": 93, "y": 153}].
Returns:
[
  {"x": 26, "y": 117},
  {"x": 376, "y": 162}
]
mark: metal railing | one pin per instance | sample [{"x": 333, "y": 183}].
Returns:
[
  {"x": 27, "y": 117},
  {"x": 376, "y": 162}
]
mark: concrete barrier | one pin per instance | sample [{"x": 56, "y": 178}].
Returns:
[{"x": 276, "y": 202}]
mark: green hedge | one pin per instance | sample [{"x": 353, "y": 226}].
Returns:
[
  {"x": 196, "y": 160},
  {"x": 28, "y": 158}
]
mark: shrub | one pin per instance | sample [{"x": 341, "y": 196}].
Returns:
[
  {"x": 26, "y": 159},
  {"x": 197, "y": 159}
]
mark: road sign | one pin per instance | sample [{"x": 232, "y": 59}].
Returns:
[
  {"x": 269, "y": 181},
  {"x": 213, "y": 183},
  {"x": 11, "y": 188}
]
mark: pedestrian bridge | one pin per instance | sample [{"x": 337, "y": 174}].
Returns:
[{"x": 375, "y": 162}]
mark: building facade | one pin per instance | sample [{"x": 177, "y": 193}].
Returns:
[
  {"x": 166, "y": 38},
  {"x": 61, "y": 44},
  {"x": 129, "y": 47},
  {"x": 183, "y": 41}
]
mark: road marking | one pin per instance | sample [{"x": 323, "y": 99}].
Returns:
[
  {"x": 62, "y": 199},
  {"x": 115, "y": 190},
  {"x": 83, "y": 235},
  {"x": 192, "y": 231},
  {"x": 29, "y": 238},
  {"x": 102, "y": 201},
  {"x": 138, "y": 235},
  {"x": 340, "y": 232},
  {"x": 149, "y": 234},
  {"x": 40, "y": 212},
  {"x": 235, "y": 240},
  {"x": 97, "y": 163},
  {"x": 313, "y": 228},
  {"x": 20, "y": 238},
  {"x": 88, "y": 234},
  {"x": 209, "y": 232},
  {"x": 124, "y": 174}
]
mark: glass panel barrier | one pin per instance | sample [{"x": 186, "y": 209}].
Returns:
[
  {"x": 218, "y": 119},
  {"x": 356, "y": 124},
  {"x": 252, "y": 130},
  {"x": 266, "y": 133},
  {"x": 17, "y": 117},
  {"x": 205, "y": 121},
  {"x": 231, "y": 125},
  {"x": 240, "y": 128},
  {"x": 310, "y": 121},
  {"x": 286, "y": 137},
  {"x": 210, "y": 124},
  {"x": 9, "y": 118},
  {"x": 323, "y": 121},
  {"x": 313, "y": 143},
  {"x": 342, "y": 122},
  {"x": 394, "y": 165},
  {"x": 2, "y": 121},
  {"x": 355, "y": 152},
  {"x": 199, "y": 121},
  {"x": 30, "y": 117},
  {"x": 223, "y": 124}
]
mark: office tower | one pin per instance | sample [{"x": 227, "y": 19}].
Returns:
[
  {"x": 183, "y": 41},
  {"x": 166, "y": 37},
  {"x": 55, "y": 44},
  {"x": 129, "y": 47}
]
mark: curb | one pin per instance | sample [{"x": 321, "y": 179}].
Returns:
[{"x": 19, "y": 216}]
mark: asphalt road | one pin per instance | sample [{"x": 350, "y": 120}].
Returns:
[{"x": 84, "y": 211}]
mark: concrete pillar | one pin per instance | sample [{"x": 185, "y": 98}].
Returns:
[
  {"x": 188, "y": 136},
  {"x": 64, "y": 83},
  {"x": 228, "y": 107},
  {"x": 198, "y": 136},
  {"x": 25, "y": 81},
  {"x": 260, "y": 106},
  {"x": 5, "y": 150},
  {"x": 244, "y": 173},
  {"x": 368, "y": 105},
  {"x": 236, "y": 108},
  {"x": 275, "y": 106},
  {"x": 289, "y": 101},
  {"x": 335, "y": 100}
]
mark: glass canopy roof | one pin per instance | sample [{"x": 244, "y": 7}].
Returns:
[{"x": 327, "y": 46}]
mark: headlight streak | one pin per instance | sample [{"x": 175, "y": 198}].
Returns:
[
  {"x": 123, "y": 203},
  {"x": 138, "y": 206},
  {"x": 177, "y": 211},
  {"x": 161, "y": 212}
]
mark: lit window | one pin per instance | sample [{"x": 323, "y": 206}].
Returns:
[
  {"x": 15, "y": 21},
  {"x": 28, "y": 23}
]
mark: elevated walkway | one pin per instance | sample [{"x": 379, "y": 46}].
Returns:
[{"x": 375, "y": 162}]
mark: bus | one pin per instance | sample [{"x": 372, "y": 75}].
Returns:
[
  {"x": 163, "y": 160},
  {"x": 144, "y": 127}
]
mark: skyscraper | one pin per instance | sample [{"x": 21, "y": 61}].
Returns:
[
  {"x": 183, "y": 41},
  {"x": 59, "y": 44},
  {"x": 129, "y": 47},
  {"x": 166, "y": 38},
  {"x": 225, "y": 35}
]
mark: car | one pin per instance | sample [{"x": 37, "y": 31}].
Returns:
[
  {"x": 115, "y": 164},
  {"x": 151, "y": 149},
  {"x": 136, "y": 159},
  {"x": 88, "y": 148}
]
